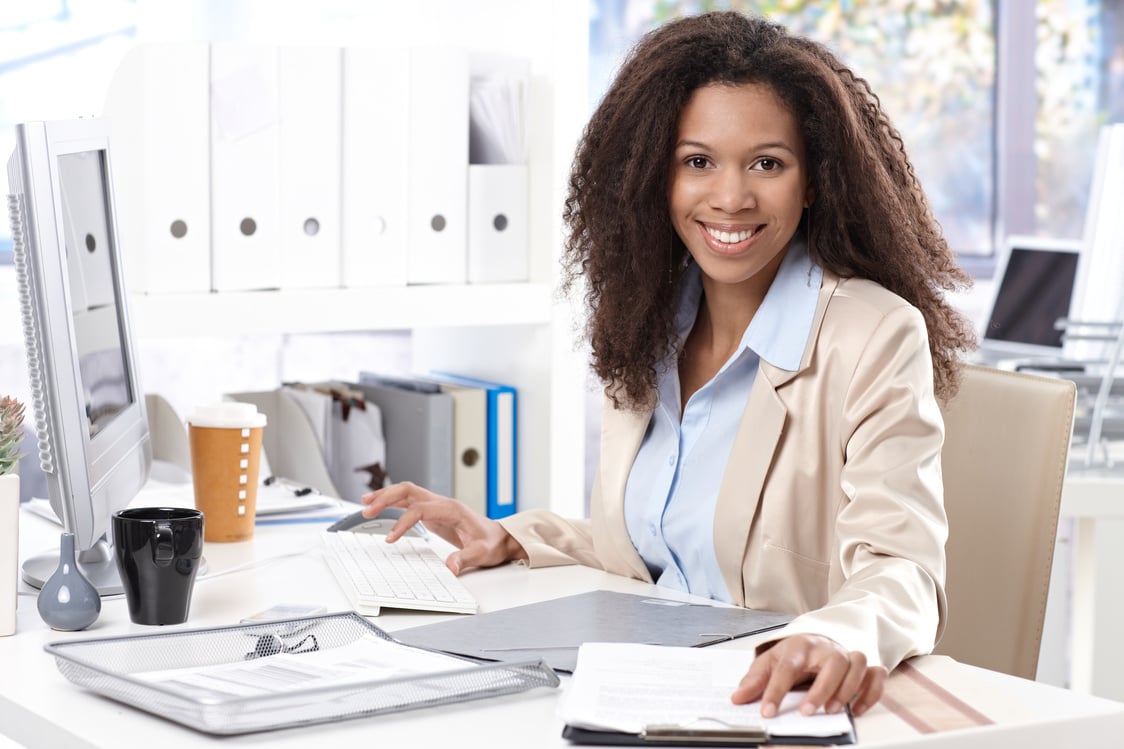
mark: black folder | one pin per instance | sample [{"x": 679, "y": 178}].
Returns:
[{"x": 679, "y": 736}]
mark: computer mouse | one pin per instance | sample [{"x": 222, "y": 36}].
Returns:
[{"x": 380, "y": 524}]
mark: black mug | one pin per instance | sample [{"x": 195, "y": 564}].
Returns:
[{"x": 158, "y": 551}]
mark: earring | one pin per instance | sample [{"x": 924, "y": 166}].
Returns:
[
  {"x": 808, "y": 228},
  {"x": 671, "y": 261}
]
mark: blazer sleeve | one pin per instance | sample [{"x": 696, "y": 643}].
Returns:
[
  {"x": 551, "y": 540},
  {"x": 887, "y": 595}
]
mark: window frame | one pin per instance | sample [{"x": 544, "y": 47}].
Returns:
[{"x": 1016, "y": 106}]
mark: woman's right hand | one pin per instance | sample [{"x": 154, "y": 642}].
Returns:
[{"x": 480, "y": 542}]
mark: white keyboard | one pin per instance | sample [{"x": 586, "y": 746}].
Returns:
[{"x": 407, "y": 574}]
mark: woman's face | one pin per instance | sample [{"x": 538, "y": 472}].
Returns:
[{"x": 738, "y": 182}]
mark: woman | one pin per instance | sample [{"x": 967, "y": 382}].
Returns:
[{"x": 765, "y": 286}]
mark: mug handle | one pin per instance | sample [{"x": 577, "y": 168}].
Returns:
[{"x": 163, "y": 551}]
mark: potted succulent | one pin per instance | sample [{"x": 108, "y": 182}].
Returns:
[{"x": 11, "y": 436}]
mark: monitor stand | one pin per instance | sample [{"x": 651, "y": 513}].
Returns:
[{"x": 96, "y": 564}]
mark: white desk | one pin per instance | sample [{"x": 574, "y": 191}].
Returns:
[
  {"x": 1094, "y": 498},
  {"x": 39, "y": 707}
]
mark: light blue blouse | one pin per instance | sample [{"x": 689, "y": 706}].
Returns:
[{"x": 672, "y": 490}]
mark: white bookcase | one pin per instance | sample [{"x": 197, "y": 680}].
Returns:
[{"x": 520, "y": 334}]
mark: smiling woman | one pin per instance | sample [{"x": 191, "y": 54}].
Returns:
[
  {"x": 764, "y": 283},
  {"x": 739, "y": 187},
  {"x": 738, "y": 184}
]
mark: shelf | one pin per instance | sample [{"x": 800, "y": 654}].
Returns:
[
  {"x": 316, "y": 310},
  {"x": 322, "y": 310}
]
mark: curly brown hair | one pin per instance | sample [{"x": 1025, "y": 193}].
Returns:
[{"x": 871, "y": 217}]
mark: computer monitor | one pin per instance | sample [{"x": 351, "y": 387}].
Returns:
[
  {"x": 1100, "y": 279},
  {"x": 90, "y": 419},
  {"x": 1034, "y": 289}
]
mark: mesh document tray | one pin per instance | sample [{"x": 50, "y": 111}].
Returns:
[{"x": 113, "y": 667}]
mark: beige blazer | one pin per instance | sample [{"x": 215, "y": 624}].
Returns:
[{"x": 831, "y": 506}]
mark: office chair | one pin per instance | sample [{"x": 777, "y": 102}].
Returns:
[{"x": 1007, "y": 438}]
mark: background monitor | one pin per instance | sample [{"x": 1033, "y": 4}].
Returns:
[
  {"x": 1034, "y": 288},
  {"x": 90, "y": 419},
  {"x": 1100, "y": 281}
]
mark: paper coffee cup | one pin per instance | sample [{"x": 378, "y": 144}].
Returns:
[{"x": 225, "y": 443}]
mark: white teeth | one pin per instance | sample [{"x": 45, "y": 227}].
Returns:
[{"x": 728, "y": 237}]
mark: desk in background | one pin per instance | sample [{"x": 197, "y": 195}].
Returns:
[
  {"x": 932, "y": 702},
  {"x": 1094, "y": 498}
]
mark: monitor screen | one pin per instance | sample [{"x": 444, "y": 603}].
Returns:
[
  {"x": 1034, "y": 290},
  {"x": 90, "y": 419},
  {"x": 101, "y": 359}
]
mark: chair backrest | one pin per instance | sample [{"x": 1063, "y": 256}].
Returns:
[{"x": 1007, "y": 438}]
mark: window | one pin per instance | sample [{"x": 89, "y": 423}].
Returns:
[
  {"x": 998, "y": 102},
  {"x": 1078, "y": 87},
  {"x": 56, "y": 60}
]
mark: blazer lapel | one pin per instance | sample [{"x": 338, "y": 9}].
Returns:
[
  {"x": 740, "y": 491},
  {"x": 756, "y": 442},
  {"x": 622, "y": 431}
]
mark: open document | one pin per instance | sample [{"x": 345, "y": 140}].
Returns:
[
  {"x": 287, "y": 672},
  {"x": 273, "y": 664},
  {"x": 675, "y": 695}
]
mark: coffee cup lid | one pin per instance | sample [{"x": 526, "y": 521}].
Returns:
[{"x": 227, "y": 415}]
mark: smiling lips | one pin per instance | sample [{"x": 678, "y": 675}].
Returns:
[{"x": 727, "y": 240}]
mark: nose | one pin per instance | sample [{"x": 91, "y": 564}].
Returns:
[{"x": 733, "y": 191}]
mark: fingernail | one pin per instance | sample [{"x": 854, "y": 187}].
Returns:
[
  {"x": 768, "y": 709},
  {"x": 807, "y": 708},
  {"x": 833, "y": 706}
]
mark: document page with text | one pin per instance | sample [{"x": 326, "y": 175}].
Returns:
[{"x": 632, "y": 687}]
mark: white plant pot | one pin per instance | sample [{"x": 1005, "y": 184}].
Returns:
[{"x": 9, "y": 551}]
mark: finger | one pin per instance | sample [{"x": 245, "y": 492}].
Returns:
[
  {"x": 851, "y": 683},
  {"x": 788, "y": 671},
  {"x": 407, "y": 520},
  {"x": 402, "y": 494},
  {"x": 832, "y": 670},
  {"x": 380, "y": 499},
  {"x": 873, "y": 684},
  {"x": 372, "y": 498},
  {"x": 755, "y": 679},
  {"x": 474, "y": 554}
]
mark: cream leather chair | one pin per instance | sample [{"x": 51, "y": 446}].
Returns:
[{"x": 1006, "y": 445}]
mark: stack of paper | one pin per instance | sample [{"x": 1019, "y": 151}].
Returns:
[
  {"x": 496, "y": 121},
  {"x": 681, "y": 694},
  {"x": 282, "y": 501}
]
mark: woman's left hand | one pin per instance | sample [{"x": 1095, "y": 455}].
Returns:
[{"x": 838, "y": 677}]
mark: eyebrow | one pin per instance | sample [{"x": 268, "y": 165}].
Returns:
[{"x": 756, "y": 147}]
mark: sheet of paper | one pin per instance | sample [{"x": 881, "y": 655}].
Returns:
[
  {"x": 299, "y": 666},
  {"x": 626, "y": 687},
  {"x": 284, "y": 496}
]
